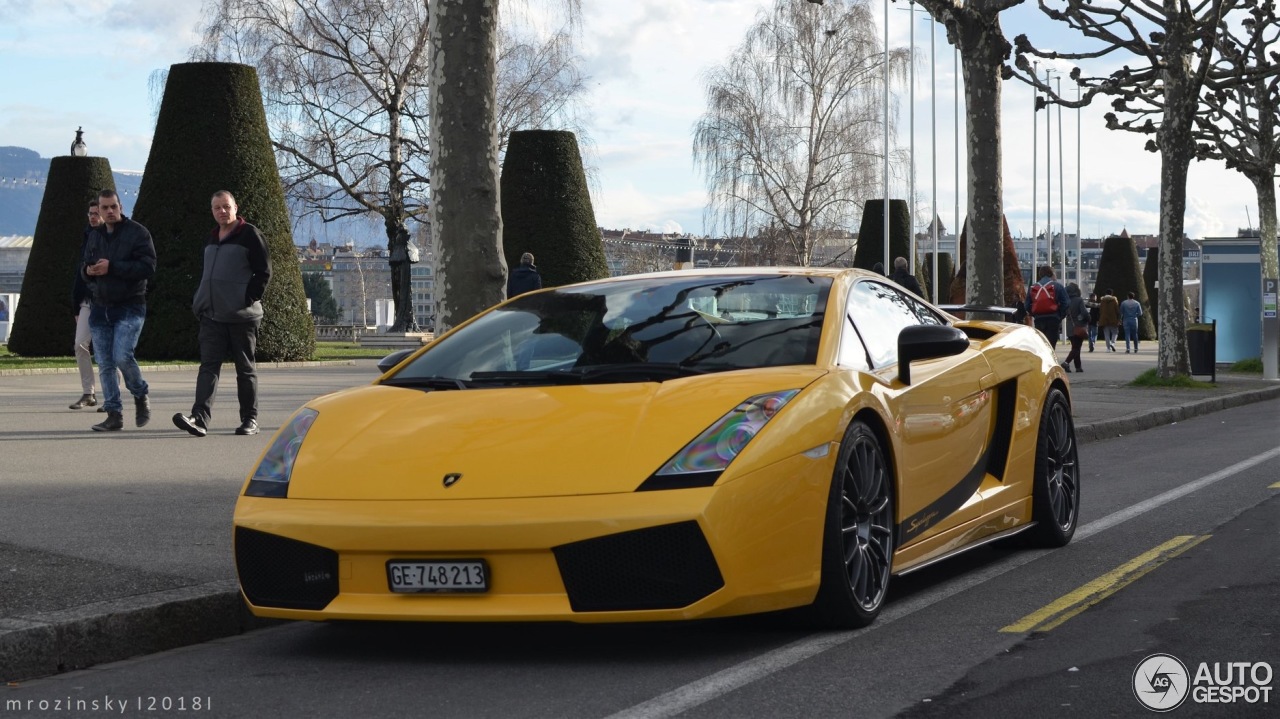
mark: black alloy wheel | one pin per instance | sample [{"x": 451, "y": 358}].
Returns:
[
  {"x": 857, "y": 551},
  {"x": 1056, "y": 488}
]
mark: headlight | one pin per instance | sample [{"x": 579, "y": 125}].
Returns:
[
  {"x": 701, "y": 461},
  {"x": 271, "y": 478}
]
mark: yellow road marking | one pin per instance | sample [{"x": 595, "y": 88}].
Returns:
[{"x": 1068, "y": 606}]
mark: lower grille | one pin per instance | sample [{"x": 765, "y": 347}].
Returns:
[
  {"x": 664, "y": 567},
  {"x": 280, "y": 572}
]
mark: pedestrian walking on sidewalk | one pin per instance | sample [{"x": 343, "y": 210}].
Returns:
[
  {"x": 80, "y": 311},
  {"x": 1077, "y": 326},
  {"x": 119, "y": 258},
  {"x": 903, "y": 276},
  {"x": 1109, "y": 318},
  {"x": 1130, "y": 311},
  {"x": 1092, "y": 304},
  {"x": 1047, "y": 304},
  {"x": 228, "y": 304}
]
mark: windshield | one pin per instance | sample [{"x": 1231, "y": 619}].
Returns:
[{"x": 644, "y": 329}]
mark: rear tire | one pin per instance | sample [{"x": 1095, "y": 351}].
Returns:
[
  {"x": 858, "y": 534},
  {"x": 1056, "y": 481}
]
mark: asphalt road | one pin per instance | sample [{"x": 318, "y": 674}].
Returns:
[{"x": 1205, "y": 490}]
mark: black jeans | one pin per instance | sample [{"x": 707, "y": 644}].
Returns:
[
  {"x": 220, "y": 341},
  {"x": 1051, "y": 326}
]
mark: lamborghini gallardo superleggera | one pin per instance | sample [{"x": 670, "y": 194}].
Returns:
[{"x": 677, "y": 445}]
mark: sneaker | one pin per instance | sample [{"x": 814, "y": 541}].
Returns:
[
  {"x": 143, "y": 407},
  {"x": 86, "y": 400},
  {"x": 1066, "y": 368},
  {"x": 249, "y": 426},
  {"x": 190, "y": 424},
  {"x": 113, "y": 423},
  {"x": 1079, "y": 369}
]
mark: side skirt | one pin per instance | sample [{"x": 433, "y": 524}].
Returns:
[{"x": 985, "y": 540}]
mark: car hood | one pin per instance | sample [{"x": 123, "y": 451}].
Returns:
[{"x": 382, "y": 442}]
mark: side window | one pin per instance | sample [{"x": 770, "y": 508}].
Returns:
[{"x": 880, "y": 312}]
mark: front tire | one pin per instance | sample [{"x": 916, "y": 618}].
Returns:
[
  {"x": 857, "y": 543},
  {"x": 1056, "y": 483}
]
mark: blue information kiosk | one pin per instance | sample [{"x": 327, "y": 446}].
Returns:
[{"x": 1231, "y": 293}]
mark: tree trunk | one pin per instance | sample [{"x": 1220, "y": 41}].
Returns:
[
  {"x": 1173, "y": 358},
  {"x": 1265, "y": 185},
  {"x": 982, "y": 50},
  {"x": 466, "y": 219}
]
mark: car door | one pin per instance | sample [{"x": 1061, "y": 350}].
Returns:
[{"x": 941, "y": 422}]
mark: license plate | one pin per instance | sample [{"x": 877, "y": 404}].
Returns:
[{"x": 451, "y": 576}]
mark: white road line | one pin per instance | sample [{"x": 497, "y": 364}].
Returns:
[{"x": 722, "y": 682}]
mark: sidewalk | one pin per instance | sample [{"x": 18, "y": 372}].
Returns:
[{"x": 116, "y": 545}]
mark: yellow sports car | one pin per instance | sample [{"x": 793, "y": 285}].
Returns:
[{"x": 677, "y": 445}]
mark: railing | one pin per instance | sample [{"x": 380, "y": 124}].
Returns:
[{"x": 341, "y": 333}]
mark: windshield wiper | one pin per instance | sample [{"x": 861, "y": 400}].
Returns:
[
  {"x": 426, "y": 382},
  {"x": 653, "y": 370},
  {"x": 534, "y": 377}
]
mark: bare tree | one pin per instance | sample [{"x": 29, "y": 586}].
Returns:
[
  {"x": 973, "y": 27},
  {"x": 539, "y": 85},
  {"x": 1161, "y": 98},
  {"x": 638, "y": 257},
  {"x": 344, "y": 82},
  {"x": 1241, "y": 125},
  {"x": 790, "y": 134},
  {"x": 346, "y": 90},
  {"x": 1242, "y": 128}
]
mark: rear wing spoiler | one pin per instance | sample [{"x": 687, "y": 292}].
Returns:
[{"x": 994, "y": 309}]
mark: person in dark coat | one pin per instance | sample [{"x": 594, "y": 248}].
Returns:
[
  {"x": 118, "y": 261},
  {"x": 904, "y": 277},
  {"x": 524, "y": 278}
]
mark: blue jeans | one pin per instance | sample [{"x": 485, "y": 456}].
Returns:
[
  {"x": 115, "y": 333},
  {"x": 1131, "y": 332}
]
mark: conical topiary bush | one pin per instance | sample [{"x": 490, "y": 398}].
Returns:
[
  {"x": 1118, "y": 270},
  {"x": 870, "y": 248},
  {"x": 946, "y": 273},
  {"x": 546, "y": 209},
  {"x": 44, "y": 324},
  {"x": 211, "y": 135}
]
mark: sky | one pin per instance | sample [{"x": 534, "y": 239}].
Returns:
[{"x": 66, "y": 64}]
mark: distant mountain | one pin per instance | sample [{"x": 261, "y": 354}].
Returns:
[{"x": 22, "y": 180}]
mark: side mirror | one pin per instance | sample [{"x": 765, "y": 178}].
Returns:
[
  {"x": 921, "y": 342},
  {"x": 393, "y": 359}
]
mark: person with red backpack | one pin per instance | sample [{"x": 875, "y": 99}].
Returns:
[{"x": 1047, "y": 304}]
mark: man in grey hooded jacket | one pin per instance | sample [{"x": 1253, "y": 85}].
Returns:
[{"x": 228, "y": 304}]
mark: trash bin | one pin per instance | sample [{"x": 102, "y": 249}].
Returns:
[{"x": 1202, "y": 346}]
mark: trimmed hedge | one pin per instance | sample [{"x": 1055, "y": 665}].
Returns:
[
  {"x": 946, "y": 274},
  {"x": 870, "y": 248},
  {"x": 546, "y": 208},
  {"x": 211, "y": 135},
  {"x": 1118, "y": 269},
  {"x": 1150, "y": 275},
  {"x": 44, "y": 324}
]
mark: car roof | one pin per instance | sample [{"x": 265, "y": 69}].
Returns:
[{"x": 739, "y": 271}]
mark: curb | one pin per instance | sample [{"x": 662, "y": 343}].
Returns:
[
  {"x": 47, "y": 643},
  {"x": 176, "y": 367},
  {"x": 1111, "y": 428}
]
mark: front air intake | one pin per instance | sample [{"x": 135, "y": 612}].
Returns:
[
  {"x": 280, "y": 572},
  {"x": 664, "y": 567}
]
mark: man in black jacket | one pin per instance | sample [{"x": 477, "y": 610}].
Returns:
[
  {"x": 228, "y": 303},
  {"x": 903, "y": 276},
  {"x": 524, "y": 278},
  {"x": 119, "y": 258}
]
